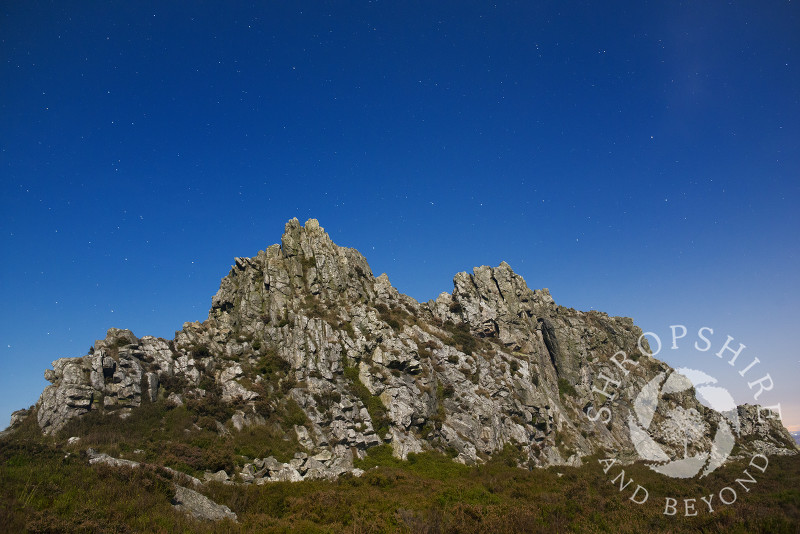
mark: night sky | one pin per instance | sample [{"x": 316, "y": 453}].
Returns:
[{"x": 640, "y": 158}]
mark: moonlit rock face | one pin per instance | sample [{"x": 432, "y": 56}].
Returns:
[{"x": 489, "y": 364}]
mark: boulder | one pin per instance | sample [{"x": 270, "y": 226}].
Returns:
[{"x": 199, "y": 506}]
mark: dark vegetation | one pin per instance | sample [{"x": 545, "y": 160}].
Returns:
[
  {"x": 461, "y": 337},
  {"x": 186, "y": 438},
  {"x": 373, "y": 403},
  {"x": 396, "y": 317},
  {"x": 565, "y": 388},
  {"x": 47, "y": 487},
  {"x": 315, "y": 308},
  {"x": 190, "y": 438}
]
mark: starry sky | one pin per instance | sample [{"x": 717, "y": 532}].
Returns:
[{"x": 639, "y": 158}]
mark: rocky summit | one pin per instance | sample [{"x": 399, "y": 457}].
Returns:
[{"x": 303, "y": 341}]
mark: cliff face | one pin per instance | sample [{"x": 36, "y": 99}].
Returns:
[{"x": 491, "y": 364}]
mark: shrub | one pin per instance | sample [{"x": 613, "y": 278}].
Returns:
[
  {"x": 327, "y": 399},
  {"x": 348, "y": 328},
  {"x": 565, "y": 388},
  {"x": 294, "y": 415},
  {"x": 173, "y": 384},
  {"x": 378, "y": 456},
  {"x": 461, "y": 337},
  {"x": 373, "y": 403},
  {"x": 212, "y": 405},
  {"x": 396, "y": 317},
  {"x": 263, "y": 441},
  {"x": 270, "y": 364},
  {"x": 193, "y": 459},
  {"x": 200, "y": 351},
  {"x": 319, "y": 310},
  {"x": 308, "y": 262}
]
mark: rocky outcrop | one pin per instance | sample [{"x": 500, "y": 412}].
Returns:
[
  {"x": 119, "y": 372},
  {"x": 764, "y": 431},
  {"x": 491, "y": 364},
  {"x": 103, "y": 458},
  {"x": 186, "y": 500},
  {"x": 96, "y": 458},
  {"x": 322, "y": 465}
]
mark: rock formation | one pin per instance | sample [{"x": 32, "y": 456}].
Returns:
[
  {"x": 199, "y": 506},
  {"x": 491, "y": 364}
]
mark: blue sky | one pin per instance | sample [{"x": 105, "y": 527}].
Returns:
[{"x": 639, "y": 158}]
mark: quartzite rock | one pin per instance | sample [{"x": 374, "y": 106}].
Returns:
[
  {"x": 200, "y": 506},
  {"x": 489, "y": 364}
]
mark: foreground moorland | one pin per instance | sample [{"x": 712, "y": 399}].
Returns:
[{"x": 47, "y": 485}]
